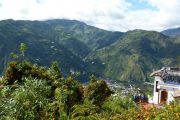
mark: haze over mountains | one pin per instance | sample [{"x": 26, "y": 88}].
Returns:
[
  {"x": 174, "y": 32},
  {"x": 125, "y": 56}
]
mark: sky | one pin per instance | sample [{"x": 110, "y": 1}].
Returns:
[{"x": 114, "y": 15}]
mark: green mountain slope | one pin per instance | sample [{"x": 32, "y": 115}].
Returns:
[
  {"x": 42, "y": 48},
  {"x": 93, "y": 37},
  {"x": 67, "y": 41},
  {"x": 136, "y": 54},
  {"x": 129, "y": 56}
]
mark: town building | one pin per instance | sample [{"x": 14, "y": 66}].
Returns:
[{"x": 166, "y": 85}]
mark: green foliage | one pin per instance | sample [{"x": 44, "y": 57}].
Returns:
[
  {"x": 45, "y": 97},
  {"x": 69, "y": 93},
  {"x": 35, "y": 92},
  {"x": 27, "y": 101},
  {"x": 85, "y": 111},
  {"x": 22, "y": 48},
  {"x": 170, "y": 112},
  {"x": 97, "y": 91},
  {"x": 93, "y": 78},
  {"x": 32, "y": 92},
  {"x": 118, "y": 104},
  {"x": 55, "y": 71},
  {"x": 14, "y": 56},
  {"x": 17, "y": 71}
]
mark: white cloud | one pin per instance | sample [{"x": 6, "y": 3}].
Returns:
[
  {"x": 107, "y": 14},
  {"x": 168, "y": 13}
]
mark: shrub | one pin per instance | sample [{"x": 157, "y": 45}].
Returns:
[
  {"x": 118, "y": 104},
  {"x": 17, "y": 71},
  {"x": 85, "y": 111},
  {"x": 28, "y": 101},
  {"x": 69, "y": 93},
  {"x": 98, "y": 91}
]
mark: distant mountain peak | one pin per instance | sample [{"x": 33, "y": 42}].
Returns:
[{"x": 173, "y": 32}]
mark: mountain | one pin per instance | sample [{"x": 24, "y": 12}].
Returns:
[
  {"x": 136, "y": 54},
  {"x": 93, "y": 37},
  {"x": 174, "y": 32},
  {"x": 67, "y": 41},
  {"x": 42, "y": 48},
  {"x": 129, "y": 56}
]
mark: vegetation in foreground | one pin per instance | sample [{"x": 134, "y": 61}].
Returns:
[{"x": 32, "y": 92}]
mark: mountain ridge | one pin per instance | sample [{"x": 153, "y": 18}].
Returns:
[
  {"x": 172, "y": 32},
  {"x": 125, "y": 56}
]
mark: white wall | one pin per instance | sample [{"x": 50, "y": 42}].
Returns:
[{"x": 156, "y": 94}]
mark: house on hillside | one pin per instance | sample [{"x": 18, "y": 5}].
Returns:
[{"x": 166, "y": 85}]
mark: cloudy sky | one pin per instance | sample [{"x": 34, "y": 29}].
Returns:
[{"x": 116, "y": 15}]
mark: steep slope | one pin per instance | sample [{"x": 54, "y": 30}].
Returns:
[
  {"x": 42, "y": 48},
  {"x": 93, "y": 37},
  {"x": 174, "y": 32},
  {"x": 67, "y": 41},
  {"x": 129, "y": 56},
  {"x": 136, "y": 54}
]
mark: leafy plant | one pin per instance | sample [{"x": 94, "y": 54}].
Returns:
[
  {"x": 28, "y": 101},
  {"x": 118, "y": 104},
  {"x": 85, "y": 111},
  {"x": 97, "y": 91}
]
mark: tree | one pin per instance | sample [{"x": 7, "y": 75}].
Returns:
[
  {"x": 14, "y": 55},
  {"x": 97, "y": 91},
  {"x": 55, "y": 71},
  {"x": 93, "y": 78},
  {"x": 22, "y": 48}
]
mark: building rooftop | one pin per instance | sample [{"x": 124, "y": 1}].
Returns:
[
  {"x": 167, "y": 71},
  {"x": 170, "y": 75}
]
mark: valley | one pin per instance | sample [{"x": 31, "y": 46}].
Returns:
[{"x": 125, "y": 56}]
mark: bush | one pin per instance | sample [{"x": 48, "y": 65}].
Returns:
[
  {"x": 97, "y": 91},
  {"x": 84, "y": 111},
  {"x": 69, "y": 93},
  {"x": 17, "y": 71},
  {"x": 28, "y": 101},
  {"x": 118, "y": 104}
]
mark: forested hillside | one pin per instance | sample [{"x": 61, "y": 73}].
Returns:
[
  {"x": 136, "y": 54},
  {"x": 78, "y": 47}
]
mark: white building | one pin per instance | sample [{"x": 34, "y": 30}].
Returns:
[{"x": 166, "y": 85}]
